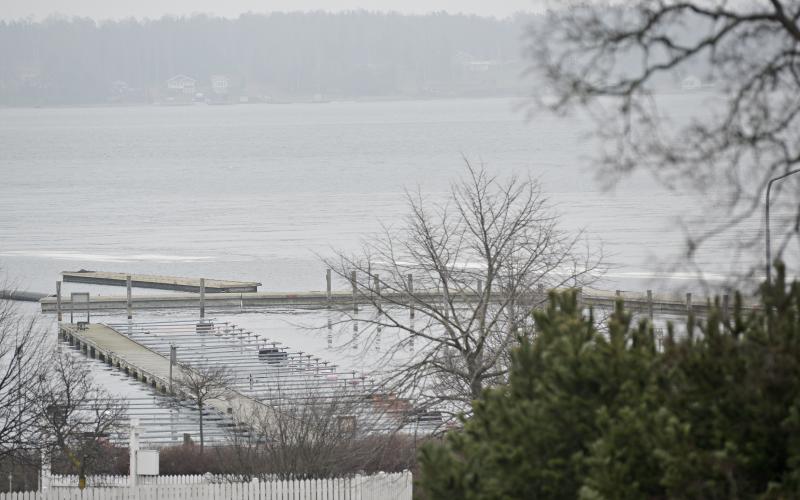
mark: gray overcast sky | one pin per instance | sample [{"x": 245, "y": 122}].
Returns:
[{"x": 105, "y": 9}]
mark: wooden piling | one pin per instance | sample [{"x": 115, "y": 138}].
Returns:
[
  {"x": 129, "y": 285},
  {"x": 355, "y": 291},
  {"x": 376, "y": 279},
  {"x": 482, "y": 304},
  {"x": 58, "y": 300},
  {"x": 725, "y": 308},
  {"x": 328, "y": 286},
  {"x": 202, "y": 298},
  {"x": 411, "y": 295}
]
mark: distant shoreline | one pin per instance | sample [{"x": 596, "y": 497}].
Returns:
[
  {"x": 399, "y": 98},
  {"x": 272, "y": 102}
]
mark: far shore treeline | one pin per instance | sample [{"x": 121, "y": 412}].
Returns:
[{"x": 279, "y": 57}]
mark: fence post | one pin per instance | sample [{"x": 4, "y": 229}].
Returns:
[
  {"x": 689, "y": 303},
  {"x": 650, "y": 305},
  {"x": 45, "y": 479},
  {"x": 134, "y": 454},
  {"x": 129, "y": 303},
  {"x": 58, "y": 300},
  {"x": 202, "y": 298}
]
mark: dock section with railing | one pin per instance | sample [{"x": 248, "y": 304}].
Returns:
[
  {"x": 160, "y": 282},
  {"x": 145, "y": 364}
]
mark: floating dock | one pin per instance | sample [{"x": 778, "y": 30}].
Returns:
[
  {"x": 146, "y": 365},
  {"x": 160, "y": 282},
  {"x": 635, "y": 302}
]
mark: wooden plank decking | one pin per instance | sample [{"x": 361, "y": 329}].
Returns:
[
  {"x": 160, "y": 282},
  {"x": 657, "y": 304},
  {"x": 148, "y": 366}
]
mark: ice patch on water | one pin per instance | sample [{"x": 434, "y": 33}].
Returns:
[
  {"x": 121, "y": 258},
  {"x": 650, "y": 275}
]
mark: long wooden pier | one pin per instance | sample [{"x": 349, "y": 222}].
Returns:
[
  {"x": 647, "y": 303},
  {"x": 160, "y": 282},
  {"x": 144, "y": 364}
]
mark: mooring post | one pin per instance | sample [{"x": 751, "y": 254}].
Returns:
[
  {"x": 411, "y": 295},
  {"x": 173, "y": 358},
  {"x": 480, "y": 295},
  {"x": 328, "y": 286},
  {"x": 689, "y": 303},
  {"x": 650, "y": 305},
  {"x": 128, "y": 284},
  {"x": 353, "y": 282},
  {"x": 725, "y": 308},
  {"x": 202, "y": 298},
  {"x": 376, "y": 279},
  {"x": 58, "y": 300}
]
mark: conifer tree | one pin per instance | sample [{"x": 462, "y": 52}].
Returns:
[{"x": 715, "y": 413}]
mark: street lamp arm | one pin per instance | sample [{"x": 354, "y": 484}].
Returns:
[{"x": 766, "y": 221}]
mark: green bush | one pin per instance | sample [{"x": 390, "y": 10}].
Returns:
[{"x": 587, "y": 414}]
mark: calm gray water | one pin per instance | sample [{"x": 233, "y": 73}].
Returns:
[{"x": 255, "y": 191}]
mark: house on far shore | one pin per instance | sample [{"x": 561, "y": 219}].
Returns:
[
  {"x": 223, "y": 90},
  {"x": 180, "y": 90},
  {"x": 182, "y": 84},
  {"x": 691, "y": 83},
  {"x": 220, "y": 84}
]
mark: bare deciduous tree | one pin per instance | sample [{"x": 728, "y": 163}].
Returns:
[
  {"x": 318, "y": 435},
  {"x": 607, "y": 59},
  {"x": 75, "y": 416},
  {"x": 479, "y": 262},
  {"x": 203, "y": 383},
  {"x": 22, "y": 347}
]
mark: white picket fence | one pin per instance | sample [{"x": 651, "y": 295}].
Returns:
[
  {"x": 102, "y": 480},
  {"x": 395, "y": 486}
]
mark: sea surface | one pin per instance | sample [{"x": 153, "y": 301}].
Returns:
[
  {"x": 263, "y": 192},
  {"x": 260, "y": 192}
]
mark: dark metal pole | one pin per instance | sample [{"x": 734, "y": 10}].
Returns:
[{"x": 766, "y": 220}]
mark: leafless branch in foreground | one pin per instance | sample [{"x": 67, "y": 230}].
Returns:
[{"x": 607, "y": 59}]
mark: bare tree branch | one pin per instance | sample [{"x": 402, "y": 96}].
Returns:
[
  {"x": 608, "y": 59},
  {"x": 480, "y": 262}
]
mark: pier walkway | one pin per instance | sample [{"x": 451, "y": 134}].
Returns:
[
  {"x": 160, "y": 282},
  {"x": 146, "y": 365},
  {"x": 648, "y": 303}
]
